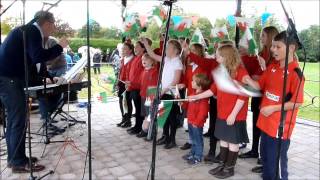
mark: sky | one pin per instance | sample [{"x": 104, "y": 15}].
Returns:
[{"x": 108, "y": 12}]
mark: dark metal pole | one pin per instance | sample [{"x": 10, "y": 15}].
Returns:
[
  {"x": 291, "y": 36},
  {"x": 89, "y": 92},
  {"x": 156, "y": 101},
  {"x": 238, "y": 14},
  {"x": 0, "y": 24},
  {"x": 31, "y": 177}
]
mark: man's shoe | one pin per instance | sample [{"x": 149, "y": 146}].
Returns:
[
  {"x": 248, "y": 154},
  {"x": 33, "y": 160},
  {"x": 26, "y": 168},
  {"x": 186, "y": 146}
]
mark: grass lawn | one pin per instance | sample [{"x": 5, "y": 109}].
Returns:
[
  {"x": 312, "y": 88},
  {"x": 98, "y": 85}
]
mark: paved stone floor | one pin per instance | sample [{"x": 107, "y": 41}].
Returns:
[{"x": 117, "y": 155}]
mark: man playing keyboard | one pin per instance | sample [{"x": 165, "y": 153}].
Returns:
[{"x": 12, "y": 83}]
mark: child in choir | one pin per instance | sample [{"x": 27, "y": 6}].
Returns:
[
  {"x": 271, "y": 83},
  {"x": 230, "y": 126},
  {"x": 128, "y": 56},
  {"x": 149, "y": 79},
  {"x": 172, "y": 71},
  {"x": 197, "y": 115},
  {"x": 190, "y": 70},
  {"x": 207, "y": 64},
  {"x": 134, "y": 83},
  {"x": 252, "y": 65}
]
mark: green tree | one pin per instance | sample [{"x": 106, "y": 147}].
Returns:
[
  {"x": 257, "y": 27},
  {"x": 94, "y": 30},
  {"x": 152, "y": 31},
  {"x": 204, "y": 25},
  {"x": 63, "y": 29},
  {"x": 110, "y": 33},
  {"x": 9, "y": 23},
  {"x": 310, "y": 38}
]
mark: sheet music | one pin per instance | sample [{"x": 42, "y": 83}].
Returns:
[{"x": 73, "y": 71}]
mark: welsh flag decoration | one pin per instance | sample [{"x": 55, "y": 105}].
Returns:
[
  {"x": 102, "y": 97},
  {"x": 130, "y": 26},
  {"x": 143, "y": 19},
  {"x": 151, "y": 94},
  {"x": 247, "y": 40},
  {"x": 159, "y": 15},
  {"x": 163, "y": 113},
  {"x": 108, "y": 79},
  {"x": 197, "y": 38},
  {"x": 219, "y": 34},
  {"x": 181, "y": 26}
]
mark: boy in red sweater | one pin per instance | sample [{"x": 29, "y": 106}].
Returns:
[
  {"x": 271, "y": 83},
  {"x": 197, "y": 115}
]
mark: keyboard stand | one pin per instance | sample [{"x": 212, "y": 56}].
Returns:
[{"x": 65, "y": 116}]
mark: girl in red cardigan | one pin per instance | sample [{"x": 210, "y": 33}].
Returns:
[
  {"x": 128, "y": 56},
  {"x": 197, "y": 115},
  {"x": 133, "y": 84},
  {"x": 230, "y": 126}
]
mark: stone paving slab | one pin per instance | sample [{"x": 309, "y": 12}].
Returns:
[{"x": 116, "y": 155}]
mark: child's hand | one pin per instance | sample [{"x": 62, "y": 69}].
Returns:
[
  {"x": 185, "y": 47},
  {"x": 48, "y": 81},
  {"x": 181, "y": 86},
  {"x": 192, "y": 98},
  {"x": 231, "y": 119},
  {"x": 127, "y": 84},
  {"x": 267, "y": 111},
  {"x": 56, "y": 79},
  {"x": 262, "y": 63},
  {"x": 145, "y": 42}
]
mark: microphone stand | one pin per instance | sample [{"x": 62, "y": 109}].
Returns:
[
  {"x": 291, "y": 37},
  {"x": 26, "y": 74},
  {"x": 156, "y": 101},
  {"x": 89, "y": 93},
  {"x": 238, "y": 14}
]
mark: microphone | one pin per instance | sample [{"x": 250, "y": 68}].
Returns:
[{"x": 292, "y": 32}]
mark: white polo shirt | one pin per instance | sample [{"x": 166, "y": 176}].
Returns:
[{"x": 169, "y": 68}]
